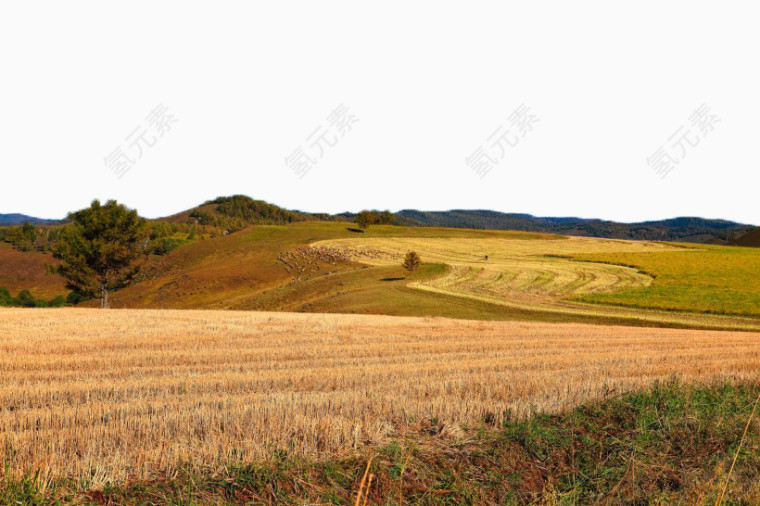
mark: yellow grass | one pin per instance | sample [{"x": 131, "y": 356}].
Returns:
[
  {"x": 515, "y": 268},
  {"x": 115, "y": 395}
]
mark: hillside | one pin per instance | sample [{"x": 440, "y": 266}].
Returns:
[
  {"x": 269, "y": 267},
  {"x": 331, "y": 267},
  {"x": 750, "y": 239},
  {"x": 213, "y": 218},
  {"x": 240, "y": 253},
  {"x": 685, "y": 229},
  {"x": 26, "y": 271},
  {"x": 322, "y": 267}
]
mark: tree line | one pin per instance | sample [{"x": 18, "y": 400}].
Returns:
[
  {"x": 366, "y": 218},
  {"x": 163, "y": 237},
  {"x": 26, "y": 299},
  {"x": 29, "y": 237}
]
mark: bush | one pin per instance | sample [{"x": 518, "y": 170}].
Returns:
[
  {"x": 164, "y": 245},
  {"x": 26, "y": 299},
  {"x": 5, "y": 297},
  {"x": 75, "y": 297},
  {"x": 59, "y": 301}
]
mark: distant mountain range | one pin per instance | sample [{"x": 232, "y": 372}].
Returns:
[
  {"x": 686, "y": 229},
  {"x": 20, "y": 219},
  {"x": 238, "y": 211}
]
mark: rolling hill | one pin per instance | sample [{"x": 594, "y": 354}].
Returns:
[
  {"x": 323, "y": 267},
  {"x": 238, "y": 211},
  {"x": 26, "y": 271},
  {"x": 240, "y": 253},
  {"x": 750, "y": 239}
]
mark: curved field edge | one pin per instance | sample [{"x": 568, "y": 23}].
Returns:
[
  {"x": 509, "y": 269},
  {"x": 672, "y": 443},
  {"x": 610, "y": 313},
  {"x": 717, "y": 280},
  {"x": 241, "y": 270},
  {"x": 465, "y": 278}
]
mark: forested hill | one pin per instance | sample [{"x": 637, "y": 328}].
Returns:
[
  {"x": 686, "y": 229},
  {"x": 238, "y": 211}
]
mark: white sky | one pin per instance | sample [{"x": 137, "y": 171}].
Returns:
[{"x": 428, "y": 81}]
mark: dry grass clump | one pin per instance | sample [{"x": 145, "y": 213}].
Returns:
[
  {"x": 304, "y": 260},
  {"x": 115, "y": 395}
]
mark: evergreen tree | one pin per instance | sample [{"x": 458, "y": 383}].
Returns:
[{"x": 101, "y": 249}]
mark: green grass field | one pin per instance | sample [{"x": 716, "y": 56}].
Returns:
[
  {"x": 710, "y": 279},
  {"x": 568, "y": 279}
]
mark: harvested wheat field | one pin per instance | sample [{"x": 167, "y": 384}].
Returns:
[{"x": 115, "y": 395}]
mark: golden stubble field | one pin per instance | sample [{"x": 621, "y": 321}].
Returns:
[{"x": 128, "y": 394}]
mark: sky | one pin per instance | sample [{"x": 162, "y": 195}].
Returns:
[{"x": 625, "y": 111}]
